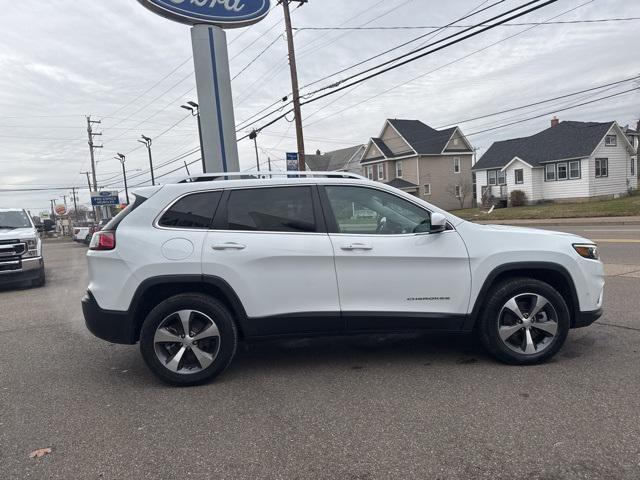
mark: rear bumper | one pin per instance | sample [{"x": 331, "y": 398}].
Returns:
[
  {"x": 112, "y": 326},
  {"x": 584, "y": 319},
  {"x": 30, "y": 269}
]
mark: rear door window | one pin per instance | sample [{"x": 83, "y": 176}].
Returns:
[
  {"x": 193, "y": 211},
  {"x": 273, "y": 209}
]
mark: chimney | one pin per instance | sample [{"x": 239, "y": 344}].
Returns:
[
  {"x": 555, "y": 121},
  {"x": 318, "y": 152}
]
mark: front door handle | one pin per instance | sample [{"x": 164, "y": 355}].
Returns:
[
  {"x": 228, "y": 246},
  {"x": 357, "y": 246}
]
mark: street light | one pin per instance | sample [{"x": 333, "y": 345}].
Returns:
[
  {"x": 194, "y": 108},
  {"x": 147, "y": 142},
  {"x": 122, "y": 159},
  {"x": 254, "y": 136}
]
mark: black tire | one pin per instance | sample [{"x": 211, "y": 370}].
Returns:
[
  {"x": 228, "y": 339},
  {"x": 41, "y": 280},
  {"x": 488, "y": 326}
]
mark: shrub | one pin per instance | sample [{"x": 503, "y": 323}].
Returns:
[{"x": 517, "y": 198}]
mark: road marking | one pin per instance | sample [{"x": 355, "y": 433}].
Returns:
[{"x": 615, "y": 240}]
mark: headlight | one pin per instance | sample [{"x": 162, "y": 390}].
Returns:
[
  {"x": 587, "y": 250},
  {"x": 32, "y": 248}
]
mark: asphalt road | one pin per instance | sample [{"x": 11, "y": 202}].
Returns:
[{"x": 429, "y": 407}]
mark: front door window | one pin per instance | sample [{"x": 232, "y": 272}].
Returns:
[{"x": 361, "y": 210}]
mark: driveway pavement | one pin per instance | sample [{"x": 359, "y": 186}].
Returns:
[{"x": 377, "y": 407}]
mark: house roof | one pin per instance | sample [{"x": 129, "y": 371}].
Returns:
[
  {"x": 400, "y": 183},
  {"x": 386, "y": 151},
  {"x": 343, "y": 159},
  {"x": 566, "y": 140},
  {"x": 421, "y": 137},
  {"x": 629, "y": 131}
]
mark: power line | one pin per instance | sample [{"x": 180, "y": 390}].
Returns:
[
  {"x": 404, "y": 44},
  {"x": 422, "y": 75},
  {"x": 412, "y": 59},
  {"x": 425, "y": 27},
  {"x": 150, "y": 88}
]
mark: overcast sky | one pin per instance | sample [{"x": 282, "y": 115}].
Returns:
[{"x": 61, "y": 60}]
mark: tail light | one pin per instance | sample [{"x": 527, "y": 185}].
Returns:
[{"x": 103, "y": 240}]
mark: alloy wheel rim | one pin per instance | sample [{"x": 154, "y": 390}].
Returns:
[
  {"x": 528, "y": 323},
  {"x": 187, "y": 341}
]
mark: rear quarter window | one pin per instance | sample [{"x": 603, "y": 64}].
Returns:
[
  {"x": 192, "y": 211},
  {"x": 115, "y": 221}
]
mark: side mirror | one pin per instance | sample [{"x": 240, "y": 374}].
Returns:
[{"x": 438, "y": 223}]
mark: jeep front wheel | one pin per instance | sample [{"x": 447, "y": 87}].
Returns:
[
  {"x": 188, "y": 339},
  {"x": 525, "y": 321}
]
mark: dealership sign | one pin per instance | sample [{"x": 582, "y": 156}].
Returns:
[
  {"x": 104, "y": 198},
  {"x": 223, "y": 13}
]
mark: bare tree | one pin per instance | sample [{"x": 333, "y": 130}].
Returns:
[{"x": 461, "y": 190}]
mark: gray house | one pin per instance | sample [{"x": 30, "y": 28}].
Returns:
[
  {"x": 343, "y": 160},
  {"x": 434, "y": 165},
  {"x": 567, "y": 161}
]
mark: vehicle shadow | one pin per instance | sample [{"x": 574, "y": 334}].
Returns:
[{"x": 355, "y": 350}]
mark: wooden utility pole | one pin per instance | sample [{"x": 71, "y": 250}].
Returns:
[
  {"x": 294, "y": 83},
  {"x": 92, "y": 148},
  {"x": 95, "y": 218}
]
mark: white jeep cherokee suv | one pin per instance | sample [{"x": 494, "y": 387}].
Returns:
[{"x": 190, "y": 268}]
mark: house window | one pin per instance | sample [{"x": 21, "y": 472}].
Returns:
[
  {"x": 427, "y": 189},
  {"x": 550, "y": 172},
  {"x": 370, "y": 172},
  {"x": 502, "y": 177},
  {"x": 575, "y": 170},
  {"x": 519, "y": 173},
  {"x": 380, "y": 171},
  {"x": 399, "y": 168},
  {"x": 492, "y": 177},
  {"x": 602, "y": 167},
  {"x": 456, "y": 164},
  {"x": 633, "y": 166},
  {"x": 562, "y": 171},
  {"x": 457, "y": 191},
  {"x": 611, "y": 141},
  {"x": 456, "y": 141},
  {"x": 631, "y": 140}
]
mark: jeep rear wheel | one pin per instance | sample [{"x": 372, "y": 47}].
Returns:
[
  {"x": 188, "y": 339},
  {"x": 525, "y": 321}
]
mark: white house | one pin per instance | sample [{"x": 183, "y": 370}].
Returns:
[{"x": 569, "y": 160}]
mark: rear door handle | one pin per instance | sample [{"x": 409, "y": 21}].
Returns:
[
  {"x": 228, "y": 246},
  {"x": 357, "y": 246}
]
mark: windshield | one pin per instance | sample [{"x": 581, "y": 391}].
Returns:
[{"x": 14, "y": 219}]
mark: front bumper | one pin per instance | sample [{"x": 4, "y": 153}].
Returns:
[
  {"x": 112, "y": 326},
  {"x": 584, "y": 319},
  {"x": 29, "y": 269}
]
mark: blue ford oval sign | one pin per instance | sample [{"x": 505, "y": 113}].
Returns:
[{"x": 223, "y": 13}]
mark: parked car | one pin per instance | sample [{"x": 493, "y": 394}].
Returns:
[
  {"x": 188, "y": 269},
  {"x": 20, "y": 249},
  {"x": 83, "y": 234}
]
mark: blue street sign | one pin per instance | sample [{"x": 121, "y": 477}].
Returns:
[
  {"x": 223, "y": 13},
  {"x": 292, "y": 161},
  {"x": 99, "y": 199}
]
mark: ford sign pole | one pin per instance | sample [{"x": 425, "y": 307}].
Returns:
[
  {"x": 211, "y": 62},
  {"x": 213, "y": 81}
]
